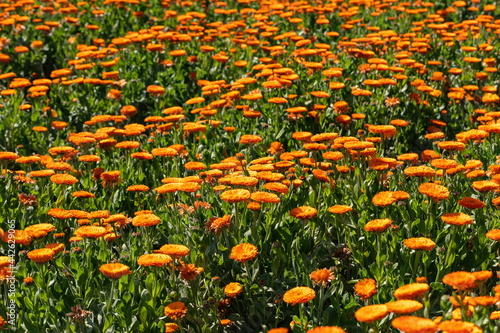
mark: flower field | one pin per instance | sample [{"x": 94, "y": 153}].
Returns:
[{"x": 250, "y": 166}]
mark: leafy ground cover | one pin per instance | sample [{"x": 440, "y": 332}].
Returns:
[{"x": 250, "y": 166}]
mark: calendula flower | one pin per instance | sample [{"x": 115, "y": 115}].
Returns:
[
  {"x": 404, "y": 306},
  {"x": 171, "y": 327},
  {"x": 304, "y": 212},
  {"x": 365, "y": 288},
  {"x": 458, "y": 219},
  {"x": 434, "y": 191},
  {"x": 233, "y": 289},
  {"x": 145, "y": 220},
  {"x": 460, "y": 280},
  {"x": 115, "y": 270},
  {"x": 412, "y": 324},
  {"x": 326, "y": 329},
  {"x": 299, "y": 295},
  {"x": 236, "y": 195},
  {"x": 154, "y": 259},
  {"x": 322, "y": 276},
  {"x": 244, "y": 252},
  {"x": 411, "y": 291},
  {"x": 174, "y": 250},
  {"x": 189, "y": 272},
  {"x": 176, "y": 310},
  {"x": 420, "y": 243},
  {"x": 370, "y": 313},
  {"x": 63, "y": 179},
  {"x": 378, "y": 225},
  {"x": 41, "y": 255}
]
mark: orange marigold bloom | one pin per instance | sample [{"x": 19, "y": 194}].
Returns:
[
  {"x": 485, "y": 185},
  {"x": 434, "y": 191},
  {"x": 265, "y": 197},
  {"x": 244, "y": 252},
  {"x": 115, "y": 270},
  {"x": 41, "y": 255},
  {"x": 322, "y": 276},
  {"x": 63, "y": 179},
  {"x": 457, "y": 219},
  {"x": 189, "y": 272},
  {"x": 370, "y": 313},
  {"x": 326, "y": 329},
  {"x": 91, "y": 231},
  {"x": 145, "y": 220},
  {"x": 411, "y": 291},
  {"x": 233, "y": 289},
  {"x": 195, "y": 166},
  {"x": 471, "y": 203},
  {"x": 420, "y": 243},
  {"x": 248, "y": 139},
  {"x": 460, "y": 280},
  {"x": 419, "y": 171},
  {"x": 171, "y": 327},
  {"x": 365, "y": 288},
  {"x": 457, "y": 326},
  {"x": 494, "y": 234},
  {"x": 137, "y": 188},
  {"x": 383, "y": 199},
  {"x": 236, "y": 195},
  {"x": 378, "y": 225},
  {"x": 304, "y": 212},
  {"x": 217, "y": 224},
  {"x": 175, "y": 310},
  {"x": 82, "y": 194},
  {"x": 404, "y": 306},
  {"x": 299, "y": 295},
  {"x": 174, "y": 250},
  {"x": 39, "y": 230},
  {"x": 340, "y": 209},
  {"x": 412, "y": 324}
]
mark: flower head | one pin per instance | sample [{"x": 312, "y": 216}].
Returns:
[{"x": 299, "y": 295}]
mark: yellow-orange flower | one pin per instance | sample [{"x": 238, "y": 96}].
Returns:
[
  {"x": 299, "y": 295},
  {"x": 115, "y": 270},
  {"x": 175, "y": 310},
  {"x": 244, "y": 252}
]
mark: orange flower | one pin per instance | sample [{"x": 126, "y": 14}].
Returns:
[
  {"x": 174, "y": 250},
  {"x": 322, "y": 276},
  {"x": 115, "y": 270},
  {"x": 154, "y": 259},
  {"x": 91, "y": 231},
  {"x": 63, "y": 179},
  {"x": 326, "y": 329},
  {"x": 339, "y": 209},
  {"x": 411, "y": 324},
  {"x": 41, "y": 255},
  {"x": 494, "y": 234},
  {"x": 233, "y": 289},
  {"x": 299, "y": 295},
  {"x": 265, "y": 197},
  {"x": 457, "y": 219},
  {"x": 365, "y": 288},
  {"x": 411, "y": 291},
  {"x": 304, "y": 212},
  {"x": 145, "y": 220},
  {"x": 218, "y": 224},
  {"x": 404, "y": 306},
  {"x": 244, "y": 252},
  {"x": 460, "y": 280},
  {"x": 175, "y": 310},
  {"x": 420, "y": 243},
  {"x": 434, "y": 191},
  {"x": 370, "y": 313},
  {"x": 378, "y": 225},
  {"x": 457, "y": 326},
  {"x": 237, "y": 195},
  {"x": 471, "y": 203},
  {"x": 248, "y": 139},
  {"x": 171, "y": 327},
  {"x": 189, "y": 272}
]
